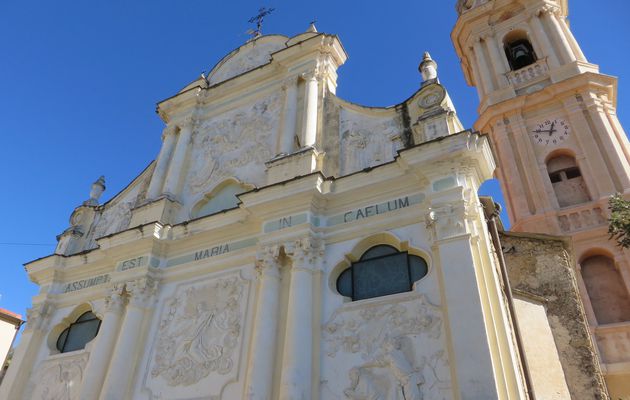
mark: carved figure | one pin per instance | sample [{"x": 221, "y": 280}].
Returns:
[
  {"x": 199, "y": 333},
  {"x": 362, "y": 387},
  {"x": 397, "y": 350},
  {"x": 61, "y": 379},
  {"x": 226, "y": 147},
  {"x": 366, "y": 141}
]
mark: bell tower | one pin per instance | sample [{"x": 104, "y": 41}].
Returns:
[{"x": 561, "y": 151}]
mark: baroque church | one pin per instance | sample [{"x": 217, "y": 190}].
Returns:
[{"x": 288, "y": 244}]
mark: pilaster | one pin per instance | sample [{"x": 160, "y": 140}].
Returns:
[
  {"x": 297, "y": 373},
  {"x": 186, "y": 129},
  {"x": 162, "y": 162},
  {"x": 549, "y": 18},
  {"x": 141, "y": 294},
  {"x": 263, "y": 350},
  {"x": 541, "y": 37},
  {"x": 311, "y": 98},
  {"x": 103, "y": 347},
  {"x": 22, "y": 365},
  {"x": 287, "y": 141},
  {"x": 473, "y": 361}
]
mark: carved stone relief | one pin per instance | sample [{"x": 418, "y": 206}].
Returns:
[
  {"x": 228, "y": 145},
  {"x": 60, "y": 379},
  {"x": 367, "y": 141},
  {"x": 113, "y": 220},
  {"x": 386, "y": 351},
  {"x": 115, "y": 216},
  {"x": 199, "y": 339}
]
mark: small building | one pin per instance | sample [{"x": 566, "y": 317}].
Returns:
[{"x": 10, "y": 324}]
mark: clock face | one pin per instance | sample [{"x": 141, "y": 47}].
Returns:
[{"x": 551, "y": 132}]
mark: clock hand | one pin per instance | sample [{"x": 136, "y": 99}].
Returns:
[{"x": 551, "y": 131}]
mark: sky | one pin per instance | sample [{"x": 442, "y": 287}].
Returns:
[{"x": 79, "y": 82}]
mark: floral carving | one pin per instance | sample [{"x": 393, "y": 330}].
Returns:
[
  {"x": 394, "y": 350},
  {"x": 60, "y": 379},
  {"x": 199, "y": 333}
]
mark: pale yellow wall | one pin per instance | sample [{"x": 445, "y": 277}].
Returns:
[{"x": 540, "y": 349}]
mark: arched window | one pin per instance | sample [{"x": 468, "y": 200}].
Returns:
[
  {"x": 567, "y": 181},
  {"x": 79, "y": 333},
  {"x": 519, "y": 50},
  {"x": 606, "y": 289},
  {"x": 381, "y": 271}
]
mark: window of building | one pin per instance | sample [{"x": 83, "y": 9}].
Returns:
[
  {"x": 606, "y": 290},
  {"x": 567, "y": 181},
  {"x": 381, "y": 271},
  {"x": 79, "y": 333},
  {"x": 519, "y": 50}
]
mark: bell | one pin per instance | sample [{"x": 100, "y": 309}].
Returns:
[{"x": 522, "y": 56}]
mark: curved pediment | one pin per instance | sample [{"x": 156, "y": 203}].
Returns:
[{"x": 249, "y": 56}]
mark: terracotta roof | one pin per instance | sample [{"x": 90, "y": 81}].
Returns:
[{"x": 14, "y": 318}]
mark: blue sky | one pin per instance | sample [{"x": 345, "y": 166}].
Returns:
[{"x": 79, "y": 82}]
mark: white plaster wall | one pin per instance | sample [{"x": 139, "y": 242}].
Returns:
[
  {"x": 7, "y": 333},
  {"x": 541, "y": 352},
  {"x": 247, "y": 57}
]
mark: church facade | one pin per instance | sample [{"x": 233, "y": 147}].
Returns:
[{"x": 288, "y": 244}]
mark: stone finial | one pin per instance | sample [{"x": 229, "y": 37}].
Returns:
[
  {"x": 312, "y": 28},
  {"x": 428, "y": 68},
  {"x": 98, "y": 188}
]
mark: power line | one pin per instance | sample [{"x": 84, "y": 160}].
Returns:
[{"x": 25, "y": 244}]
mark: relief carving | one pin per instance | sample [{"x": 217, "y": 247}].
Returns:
[
  {"x": 199, "y": 333},
  {"x": 112, "y": 220},
  {"x": 226, "y": 146},
  {"x": 60, "y": 379},
  {"x": 394, "y": 351},
  {"x": 367, "y": 141}
]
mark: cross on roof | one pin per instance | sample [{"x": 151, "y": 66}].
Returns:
[{"x": 258, "y": 19}]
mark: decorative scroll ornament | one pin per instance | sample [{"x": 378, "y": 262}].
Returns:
[
  {"x": 60, "y": 379},
  {"x": 199, "y": 333}
]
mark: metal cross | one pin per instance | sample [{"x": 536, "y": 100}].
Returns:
[{"x": 258, "y": 19}]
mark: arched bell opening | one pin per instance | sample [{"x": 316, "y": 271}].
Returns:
[{"x": 519, "y": 50}]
